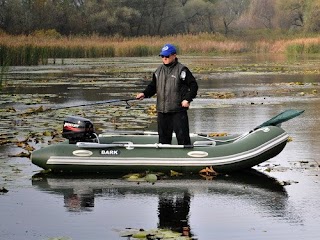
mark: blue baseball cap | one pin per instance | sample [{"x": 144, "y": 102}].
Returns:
[{"x": 167, "y": 50}]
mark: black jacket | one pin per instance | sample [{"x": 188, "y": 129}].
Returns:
[{"x": 172, "y": 84}]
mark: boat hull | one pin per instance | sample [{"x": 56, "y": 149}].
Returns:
[{"x": 136, "y": 153}]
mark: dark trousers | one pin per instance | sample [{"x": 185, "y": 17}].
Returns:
[{"x": 174, "y": 122}]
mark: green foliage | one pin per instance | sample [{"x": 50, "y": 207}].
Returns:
[
  {"x": 49, "y": 33},
  {"x": 301, "y": 48},
  {"x": 295, "y": 49},
  {"x": 22, "y": 55},
  {"x": 313, "y": 48}
]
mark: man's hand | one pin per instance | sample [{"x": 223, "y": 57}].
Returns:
[
  {"x": 185, "y": 104},
  {"x": 140, "y": 96}
]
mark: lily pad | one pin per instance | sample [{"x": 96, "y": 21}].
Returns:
[
  {"x": 163, "y": 234},
  {"x": 151, "y": 178}
]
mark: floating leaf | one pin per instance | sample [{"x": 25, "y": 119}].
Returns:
[
  {"x": 164, "y": 234},
  {"x": 22, "y": 154},
  {"x": 219, "y": 95},
  {"x": 11, "y": 110},
  {"x": 3, "y": 190},
  {"x": 59, "y": 238},
  {"x": 217, "y": 134},
  {"x": 47, "y": 133},
  {"x": 3, "y": 142},
  {"x": 208, "y": 171},
  {"x": 140, "y": 235},
  {"x": 135, "y": 177},
  {"x": 174, "y": 173},
  {"x": 151, "y": 178},
  {"x": 290, "y": 139}
]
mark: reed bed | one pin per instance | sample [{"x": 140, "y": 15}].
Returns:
[
  {"x": 303, "y": 46},
  {"x": 33, "y": 50},
  {"x": 297, "y": 46}
]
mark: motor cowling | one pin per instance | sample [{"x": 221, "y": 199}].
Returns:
[{"x": 78, "y": 129}]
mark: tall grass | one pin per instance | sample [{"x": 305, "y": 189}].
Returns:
[
  {"x": 3, "y": 71},
  {"x": 37, "y": 49},
  {"x": 304, "y": 46}
]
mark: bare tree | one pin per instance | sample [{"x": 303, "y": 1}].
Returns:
[
  {"x": 231, "y": 10},
  {"x": 291, "y": 14},
  {"x": 312, "y": 16},
  {"x": 263, "y": 12}
]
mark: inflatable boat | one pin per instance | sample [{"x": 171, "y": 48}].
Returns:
[{"x": 125, "y": 152}]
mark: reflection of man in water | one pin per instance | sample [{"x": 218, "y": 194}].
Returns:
[
  {"x": 79, "y": 202},
  {"x": 173, "y": 212}
]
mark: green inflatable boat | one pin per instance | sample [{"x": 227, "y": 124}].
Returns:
[{"x": 85, "y": 151}]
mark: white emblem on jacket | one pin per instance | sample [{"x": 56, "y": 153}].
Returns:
[{"x": 183, "y": 75}]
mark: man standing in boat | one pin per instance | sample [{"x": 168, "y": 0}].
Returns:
[{"x": 175, "y": 87}]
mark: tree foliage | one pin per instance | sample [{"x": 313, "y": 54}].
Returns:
[{"x": 157, "y": 17}]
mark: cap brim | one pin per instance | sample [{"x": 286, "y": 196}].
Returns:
[{"x": 166, "y": 53}]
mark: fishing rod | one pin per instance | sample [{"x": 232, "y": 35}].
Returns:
[
  {"x": 41, "y": 110},
  {"x": 97, "y": 103}
]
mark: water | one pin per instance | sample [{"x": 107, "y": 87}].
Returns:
[{"x": 278, "y": 199}]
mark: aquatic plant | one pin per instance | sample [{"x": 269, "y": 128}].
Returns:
[
  {"x": 38, "y": 48},
  {"x": 303, "y": 46},
  {"x": 156, "y": 234},
  {"x": 138, "y": 51},
  {"x": 4, "y": 66}
]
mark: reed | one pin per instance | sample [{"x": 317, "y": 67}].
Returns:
[
  {"x": 3, "y": 72},
  {"x": 4, "y": 65},
  {"x": 137, "y": 51},
  {"x": 295, "y": 49},
  {"x": 303, "y": 46},
  {"x": 313, "y": 49},
  {"x": 38, "y": 48}
]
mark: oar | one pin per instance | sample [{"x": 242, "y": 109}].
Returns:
[{"x": 280, "y": 118}]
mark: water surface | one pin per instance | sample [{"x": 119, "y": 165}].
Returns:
[{"x": 278, "y": 199}]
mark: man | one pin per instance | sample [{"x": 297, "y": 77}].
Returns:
[{"x": 175, "y": 87}]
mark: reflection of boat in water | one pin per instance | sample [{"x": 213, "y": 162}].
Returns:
[
  {"x": 174, "y": 194},
  {"x": 248, "y": 181}
]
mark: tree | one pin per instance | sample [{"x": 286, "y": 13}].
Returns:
[
  {"x": 263, "y": 12},
  {"x": 198, "y": 16},
  {"x": 291, "y": 14},
  {"x": 312, "y": 16},
  {"x": 230, "y": 10},
  {"x": 156, "y": 17},
  {"x": 15, "y": 18}
]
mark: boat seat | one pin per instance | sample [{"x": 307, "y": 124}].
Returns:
[{"x": 204, "y": 143}]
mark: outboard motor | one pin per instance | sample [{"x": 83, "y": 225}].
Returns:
[{"x": 78, "y": 129}]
